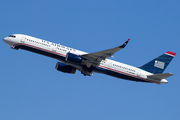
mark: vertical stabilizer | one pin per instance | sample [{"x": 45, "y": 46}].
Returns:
[{"x": 159, "y": 64}]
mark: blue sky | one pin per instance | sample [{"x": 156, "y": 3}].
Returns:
[{"x": 31, "y": 88}]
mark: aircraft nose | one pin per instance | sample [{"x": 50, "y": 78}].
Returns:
[{"x": 6, "y": 39}]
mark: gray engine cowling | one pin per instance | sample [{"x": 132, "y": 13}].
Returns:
[{"x": 65, "y": 68}]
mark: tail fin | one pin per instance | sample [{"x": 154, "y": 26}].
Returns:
[{"x": 159, "y": 64}]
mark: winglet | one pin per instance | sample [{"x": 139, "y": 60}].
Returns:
[{"x": 125, "y": 43}]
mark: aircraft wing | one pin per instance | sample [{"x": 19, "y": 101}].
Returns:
[{"x": 95, "y": 58}]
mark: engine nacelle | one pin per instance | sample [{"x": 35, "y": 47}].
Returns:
[
  {"x": 70, "y": 57},
  {"x": 65, "y": 68}
]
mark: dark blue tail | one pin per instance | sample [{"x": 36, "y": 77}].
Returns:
[{"x": 159, "y": 64}]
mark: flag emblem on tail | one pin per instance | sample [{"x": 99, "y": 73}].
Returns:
[{"x": 159, "y": 64}]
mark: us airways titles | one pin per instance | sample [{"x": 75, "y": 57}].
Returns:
[{"x": 50, "y": 44}]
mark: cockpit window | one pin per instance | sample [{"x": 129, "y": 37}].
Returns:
[{"x": 12, "y": 36}]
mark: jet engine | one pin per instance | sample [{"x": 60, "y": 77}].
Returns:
[
  {"x": 70, "y": 57},
  {"x": 65, "y": 68}
]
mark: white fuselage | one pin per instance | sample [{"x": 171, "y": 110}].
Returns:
[{"x": 59, "y": 52}]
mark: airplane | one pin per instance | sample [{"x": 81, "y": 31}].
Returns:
[{"x": 70, "y": 60}]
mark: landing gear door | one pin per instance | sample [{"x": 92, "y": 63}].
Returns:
[{"x": 23, "y": 39}]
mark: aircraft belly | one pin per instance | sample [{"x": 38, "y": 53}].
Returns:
[
  {"x": 42, "y": 52},
  {"x": 118, "y": 75}
]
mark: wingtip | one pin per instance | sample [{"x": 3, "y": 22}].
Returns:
[
  {"x": 125, "y": 43},
  {"x": 128, "y": 39}
]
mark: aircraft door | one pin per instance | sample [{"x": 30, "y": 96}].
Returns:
[
  {"x": 54, "y": 47},
  {"x": 109, "y": 64},
  {"x": 140, "y": 74},
  {"x": 23, "y": 38}
]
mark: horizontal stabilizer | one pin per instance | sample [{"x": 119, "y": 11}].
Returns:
[{"x": 160, "y": 76}]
